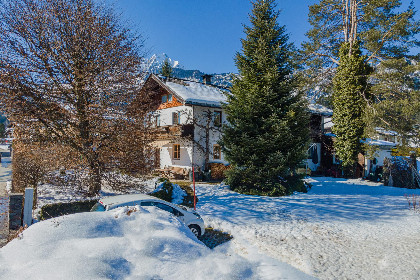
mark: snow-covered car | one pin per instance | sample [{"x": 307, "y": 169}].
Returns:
[{"x": 188, "y": 216}]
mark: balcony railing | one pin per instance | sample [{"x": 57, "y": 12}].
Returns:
[{"x": 175, "y": 132}]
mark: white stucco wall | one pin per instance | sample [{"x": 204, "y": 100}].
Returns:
[
  {"x": 200, "y": 114},
  {"x": 188, "y": 113},
  {"x": 380, "y": 155},
  {"x": 166, "y": 115},
  {"x": 166, "y": 155}
]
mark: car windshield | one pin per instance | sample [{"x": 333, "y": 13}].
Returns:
[{"x": 97, "y": 207}]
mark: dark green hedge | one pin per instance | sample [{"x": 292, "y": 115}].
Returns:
[{"x": 49, "y": 211}]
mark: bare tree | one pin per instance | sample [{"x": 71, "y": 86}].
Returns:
[{"x": 68, "y": 71}]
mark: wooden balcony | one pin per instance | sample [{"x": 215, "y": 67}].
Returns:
[{"x": 175, "y": 132}]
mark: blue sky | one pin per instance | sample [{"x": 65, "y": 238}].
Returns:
[{"x": 204, "y": 34}]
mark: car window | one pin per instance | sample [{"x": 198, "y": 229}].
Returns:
[
  {"x": 146, "y": 203},
  {"x": 164, "y": 207},
  {"x": 177, "y": 213},
  {"x": 97, "y": 207}
]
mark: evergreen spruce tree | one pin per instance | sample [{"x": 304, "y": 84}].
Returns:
[
  {"x": 385, "y": 32},
  {"x": 350, "y": 91},
  {"x": 268, "y": 133},
  {"x": 166, "y": 70}
]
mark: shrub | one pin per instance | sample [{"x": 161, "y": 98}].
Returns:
[
  {"x": 284, "y": 186},
  {"x": 49, "y": 211},
  {"x": 413, "y": 202},
  {"x": 165, "y": 192}
]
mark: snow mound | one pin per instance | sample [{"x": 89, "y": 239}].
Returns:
[{"x": 128, "y": 243}]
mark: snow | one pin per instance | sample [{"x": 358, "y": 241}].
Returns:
[
  {"x": 340, "y": 229},
  {"x": 199, "y": 94},
  {"x": 320, "y": 109},
  {"x": 49, "y": 193},
  {"x": 130, "y": 243},
  {"x": 376, "y": 142},
  {"x": 386, "y": 132},
  {"x": 9, "y": 186},
  {"x": 328, "y": 124},
  {"x": 178, "y": 193},
  {"x": 4, "y": 147}
]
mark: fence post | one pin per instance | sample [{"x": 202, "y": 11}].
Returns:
[{"x": 27, "y": 208}]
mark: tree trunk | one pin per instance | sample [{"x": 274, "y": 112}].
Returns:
[
  {"x": 94, "y": 175},
  {"x": 207, "y": 159}
]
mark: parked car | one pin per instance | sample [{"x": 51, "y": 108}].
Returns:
[{"x": 188, "y": 216}]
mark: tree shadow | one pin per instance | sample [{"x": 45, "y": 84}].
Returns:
[{"x": 330, "y": 199}]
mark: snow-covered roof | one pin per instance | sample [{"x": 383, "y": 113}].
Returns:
[
  {"x": 376, "y": 142},
  {"x": 198, "y": 94},
  {"x": 328, "y": 123},
  {"x": 320, "y": 109},
  {"x": 386, "y": 132}
]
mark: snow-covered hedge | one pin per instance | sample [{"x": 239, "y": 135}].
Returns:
[
  {"x": 59, "y": 209},
  {"x": 172, "y": 193}
]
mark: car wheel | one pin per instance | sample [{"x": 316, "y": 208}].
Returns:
[{"x": 195, "y": 229}]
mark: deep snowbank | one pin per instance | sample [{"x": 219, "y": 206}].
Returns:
[{"x": 146, "y": 244}]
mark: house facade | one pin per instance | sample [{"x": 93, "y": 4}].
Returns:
[{"x": 188, "y": 117}]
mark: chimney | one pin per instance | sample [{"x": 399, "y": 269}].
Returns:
[{"x": 207, "y": 79}]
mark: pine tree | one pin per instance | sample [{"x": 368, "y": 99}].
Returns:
[
  {"x": 396, "y": 105},
  {"x": 350, "y": 90},
  {"x": 166, "y": 70},
  {"x": 267, "y": 134},
  {"x": 342, "y": 29}
]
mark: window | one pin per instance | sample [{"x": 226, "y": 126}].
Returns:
[
  {"x": 158, "y": 120},
  {"x": 177, "y": 151},
  {"x": 98, "y": 207},
  {"x": 167, "y": 208},
  {"x": 169, "y": 97},
  {"x": 176, "y": 118},
  {"x": 164, "y": 98},
  {"x": 217, "y": 118},
  {"x": 164, "y": 207},
  {"x": 216, "y": 152},
  {"x": 146, "y": 203}
]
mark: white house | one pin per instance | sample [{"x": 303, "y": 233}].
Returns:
[{"x": 188, "y": 116}]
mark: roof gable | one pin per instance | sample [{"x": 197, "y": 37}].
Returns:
[{"x": 193, "y": 93}]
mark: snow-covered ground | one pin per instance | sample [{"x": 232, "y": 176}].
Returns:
[
  {"x": 145, "y": 244},
  {"x": 340, "y": 229}
]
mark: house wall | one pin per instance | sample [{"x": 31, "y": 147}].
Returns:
[
  {"x": 166, "y": 115},
  {"x": 166, "y": 155},
  {"x": 380, "y": 155},
  {"x": 200, "y": 116},
  {"x": 190, "y": 114}
]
